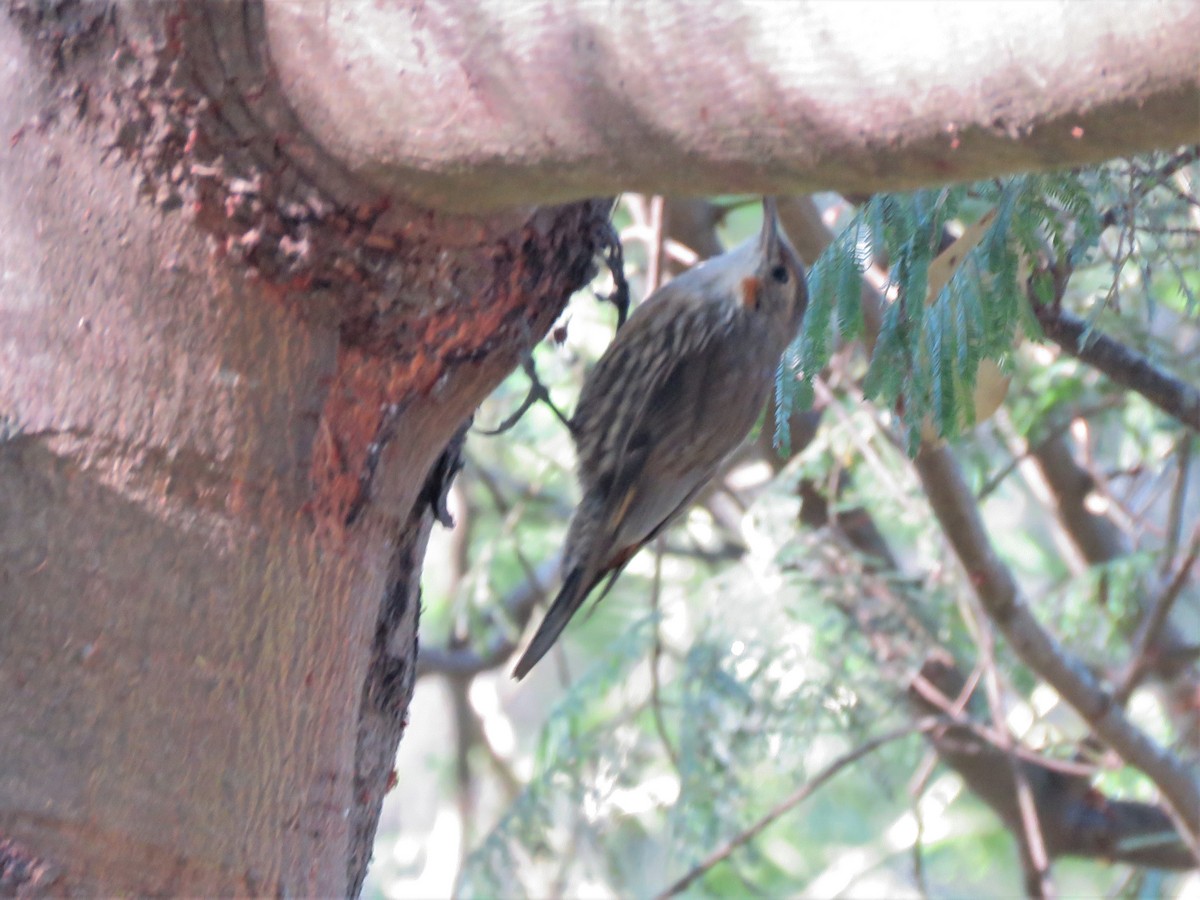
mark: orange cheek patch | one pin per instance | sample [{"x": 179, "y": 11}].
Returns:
[{"x": 750, "y": 291}]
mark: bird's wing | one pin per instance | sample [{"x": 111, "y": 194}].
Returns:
[
  {"x": 657, "y": 402},
  {"x": 640, "y": 381}
]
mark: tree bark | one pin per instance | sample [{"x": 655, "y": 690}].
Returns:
[
  {"x": 219, "y": 462},
  {"x": 486, "y": 104},
  {"x": 236, "y": 358}
]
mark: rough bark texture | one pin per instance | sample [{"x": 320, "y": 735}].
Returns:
[
  {"x": 483, "y": 104},
  {"x": 227, "y": 373}
]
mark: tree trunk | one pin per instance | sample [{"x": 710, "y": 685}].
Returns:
[{"x": 226, "y": 387}]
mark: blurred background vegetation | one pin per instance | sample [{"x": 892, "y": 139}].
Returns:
[{"x": 811, "y": 604}]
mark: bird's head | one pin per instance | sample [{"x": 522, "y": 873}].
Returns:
[
  {"x": 777, "y": 286},
  {"x": 763, "y": 275}
]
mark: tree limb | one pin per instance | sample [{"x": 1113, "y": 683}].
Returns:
[
  {"x": 955, "y": 508},
  {"x": 492, "y": 104},
  {"x": 1126, "y": 367},
  {"x": 1077, "y": 820}
]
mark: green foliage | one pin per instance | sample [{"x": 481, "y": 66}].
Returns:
[
  {"x": 573, "y": 774},
  {"x": 928, "y": 350},
  {"x": 770, "y": 667},
  {"x": 741, "y": 724}
]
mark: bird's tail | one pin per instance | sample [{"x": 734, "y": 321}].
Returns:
[{"x": 565, "y": 605}]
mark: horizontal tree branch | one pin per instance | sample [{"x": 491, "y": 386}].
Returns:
[{"x": 486, "y": 104}]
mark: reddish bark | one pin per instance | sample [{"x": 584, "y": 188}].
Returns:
[{"x": 226, "y": 373}]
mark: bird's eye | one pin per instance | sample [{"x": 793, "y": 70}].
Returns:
[{"x": 780, "y": 274}]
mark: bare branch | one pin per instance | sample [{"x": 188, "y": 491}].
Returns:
[
  {"x": 1183, "y": 453},
  {"x": 1150, "y": 632},
  {"x": 656, "y": 657},
  {"x": 1028, "y": 831},
  {"x": 1076, "y": 819},
  {"x": 955, "y": 508},
  {"x": 1148, "y": 181},
  {"x": 537, "y": 392},
  {"x": 517, "y": 606},
  {"x": 1126, "y": 367}
]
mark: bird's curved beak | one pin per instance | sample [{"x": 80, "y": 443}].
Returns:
[
  {"x": 769, "y": 238},
  {"x": 776, "y": 247}
]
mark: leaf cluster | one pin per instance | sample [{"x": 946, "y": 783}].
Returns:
[{"x": 930, "y": 343}]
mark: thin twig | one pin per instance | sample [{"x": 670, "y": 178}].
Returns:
[
  {"x": 537, "y": 392},
  {"x": 491, "y": 651},
  {"x": 918, "y": 856},
  {"x": 569, "y": 855},
  {"x": 1183, "y": 453},
  {"x": 1151, "y": 629},
  {"x": 824, "y": 395},
  {"x": 930, "y": 694},
  {"x": 1151, "y": 181},
  {"x": 656, "y": 656},
  {"x": 654, "y": 248},
  {"x": 1084, "y": 412},
  {"x": 1034, "y": 858},
  {"x": 1182, "y": 188},
  {"x": 796, "y": 798},
  {"x": 1139, "y": 512}
]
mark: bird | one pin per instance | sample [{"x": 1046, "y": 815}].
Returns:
[{"x": 674, "y": 394}]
